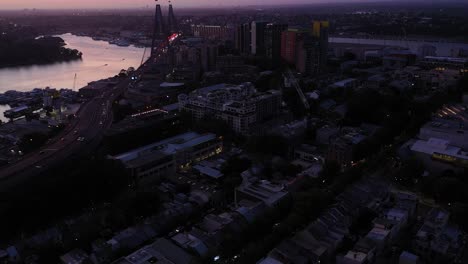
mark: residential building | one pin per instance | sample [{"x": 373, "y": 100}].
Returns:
[
  {"x": 290, "y": 44},
  {"x": 161, "y": 251},
  {"x": 76, "y": 256},
  {"x": 239, "y": 106},
  {"x": 271, "y": 194},
  {"x": 342, "y": 148},
  {"x": 408, "y": 258},
  {"x": 261, "y": 190},
  {"x": 437, "y": 240}
]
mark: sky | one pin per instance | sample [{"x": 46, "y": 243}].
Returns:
[{"x": 60, "y": 4}]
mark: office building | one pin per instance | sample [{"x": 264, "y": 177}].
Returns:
[
  {"x": 208, "y": 56},
  {"x": 308, "y": 56},
  {"x": 273, "y": 41},
  {"x": 257, "y": 38},
  {"x": 163, "y": 158},
  {"x": 438, "y": 155},
  {"x": 445, "y": 62},
  {"x": 211, "y": 32},
  {"x": 243, "y": 37},
  {"x": 456, "y": 132},
  {"x": 320, "y": 30}
]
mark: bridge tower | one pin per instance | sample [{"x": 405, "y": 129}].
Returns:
[
  {"x": 172, "y": 21},
  {"x": 159, "y": 31}
]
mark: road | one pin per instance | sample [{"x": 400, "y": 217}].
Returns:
[{"x": 84, "y": 133}]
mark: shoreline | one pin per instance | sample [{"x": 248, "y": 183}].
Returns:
[{"x": 20, "y": 65}]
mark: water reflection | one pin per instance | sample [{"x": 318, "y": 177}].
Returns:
[{"x": 100, "y": 60}]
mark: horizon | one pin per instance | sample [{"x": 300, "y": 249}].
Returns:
[{"x": 143, "y": 4}]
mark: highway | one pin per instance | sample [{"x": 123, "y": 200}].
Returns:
[{"x": 83, "y": 134}]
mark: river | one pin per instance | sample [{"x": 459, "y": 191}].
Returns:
[
  {"x": 100, "y": 60},
  {"x": 443, "y": 48}
]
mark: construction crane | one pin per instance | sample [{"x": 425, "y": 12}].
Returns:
[{"x": 293, "y": 81}]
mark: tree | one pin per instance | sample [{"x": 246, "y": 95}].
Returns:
[
  {"x": 449, "y": 190},
  {"x": 330, "y": 171},
  {"x": 273, "y": 145},
  {"x": 410, "y": 172},
  {"x": 463, "y": 84}
]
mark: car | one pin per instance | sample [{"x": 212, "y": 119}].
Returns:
[
  {"x": 62, "y": 139},
  {"x": 81, "y": 139},
  {"x": 38, "y": 167},
  {"x": 41, "y": 152},
  {"x": 75, "y": 132},
  {"x": 100, "y": 122}
]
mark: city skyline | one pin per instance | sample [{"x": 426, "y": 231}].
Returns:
[{"x": 60, "y": 4}]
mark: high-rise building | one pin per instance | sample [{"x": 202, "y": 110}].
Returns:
[
  {"x": 273, "y": 41},
  {"x": 208, "y": 55},
  {"x": 320, "y": 30},
  {"x": 291, "y": 41},
  {"x": 211, "y": 32},
  {"x": 308, "y": 56},
  {"x": 243, "y": 38},
  {"x": 258, "y": 38},
  {"x": 172, "y": 26}
]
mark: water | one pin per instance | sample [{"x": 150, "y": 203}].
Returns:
[
  {"x": 443, "y": 48},
  {"x": 100, "y": 60}
]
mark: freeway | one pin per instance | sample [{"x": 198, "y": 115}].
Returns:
[
  {"x": 93, "y": 119},
  {"x": 83, "y": 134}
]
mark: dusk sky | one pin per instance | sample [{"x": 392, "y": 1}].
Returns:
[{"x": 16, "y": 4}]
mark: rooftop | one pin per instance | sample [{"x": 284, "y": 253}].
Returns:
[
  {"x": 210, "y": 172},
  {"x": 265, "y": 191},
  {"x": 438, "y": 146},
  {"x": 168, "y": 146},
  {"x": 447, "y": 59}
]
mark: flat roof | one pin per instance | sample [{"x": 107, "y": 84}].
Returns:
[
  {"x": 213, "y": 173},
  {"x": 167, "y": 146},
  {"x": 355, "y": 255},
  {"x": 437, "y": 145},
  {"x": 168, "y": 84},
  {"x": 448, "y": 59},
  {"x": 344, "y": 82},
  {"x": 269, "y": 260},
  {"x": 264, "y": 191}
]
